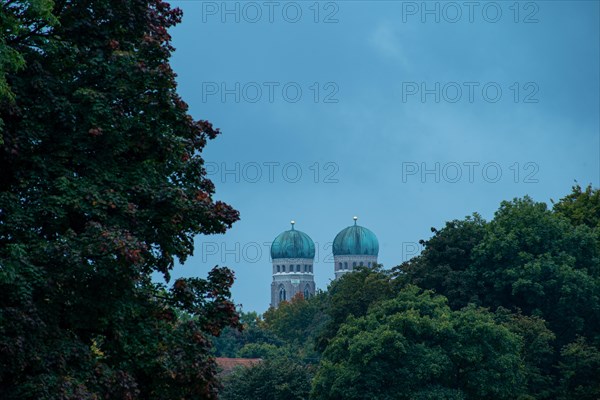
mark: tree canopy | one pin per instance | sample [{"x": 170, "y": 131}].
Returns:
[
  {"x": 527, "y": 258},
  {"x": 102, "y": 185},
  {"x": 506, "y": 308},
  {"x": 415, "y": 347}
]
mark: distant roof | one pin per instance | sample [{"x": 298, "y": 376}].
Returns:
[{"x": 228, "y": 364}]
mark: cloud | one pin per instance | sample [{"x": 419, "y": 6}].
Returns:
[{"x": 385, "y": 40}]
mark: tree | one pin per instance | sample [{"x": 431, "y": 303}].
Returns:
[
  {"x": 537, "y": 352},
  {"x": 102, "y": 184},
  {"x": 298, "y": 323},
  {"x": 265, "y": 351},
  {"x": 581, "y": 207},
  {"x": 278, "y": 379},
  {"x": 352, "y": 295},
  {"x": 415, "y": 347},
  {"x": 533, "y": 260},
  {"x": 579, "y": 368},
  {"x": 541, "y": 265},
  {"x": 19, "y": 20},
  {"x": 527, "y": 258},
  {"x": 252, "y": 341},
  {"x": 445, "y": 263}
]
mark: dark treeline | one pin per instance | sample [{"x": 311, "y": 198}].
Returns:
[{"x": 500, "y": 309}]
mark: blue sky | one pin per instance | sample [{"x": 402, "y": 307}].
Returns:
[{"x": 406, "y": 114}]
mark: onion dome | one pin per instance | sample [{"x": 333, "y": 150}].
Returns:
[
  {"x": 355, "y": 240},
  {"x": 293, "y": 244}
]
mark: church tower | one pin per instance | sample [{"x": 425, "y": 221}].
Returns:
[
  {"x": 354, "y": 246},
  {"x": 293, "y": 254}
]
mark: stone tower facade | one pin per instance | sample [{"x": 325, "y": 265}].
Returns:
[{"x": 293, "y": 254}]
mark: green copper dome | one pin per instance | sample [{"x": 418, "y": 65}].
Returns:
[
  {"x": 355, "y": 240},
  {"x": 293, "y": 244}
]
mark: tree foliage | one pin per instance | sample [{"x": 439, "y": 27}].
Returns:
[
  {"x": 581, "y": 207},
  {"x": 102, "y": 184},
  {"x": 251, "y": 341},
  {"x": 445, "y": 263},
  {"x": 379, "y": 336},
  {"x": 527, "y": 258},
  {"x": 540, "y": 266},
  {"x": 415, "y": 346},
  {"x": 21, "y": 22},
  {"x": 352, "y": 295},
  {"x": 298, "y": 322},
  {"x": 281, "y": 378},
  {"x": 579, "y": 368}
]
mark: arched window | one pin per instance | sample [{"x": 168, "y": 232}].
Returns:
[
  {"x": 369, "y": 264},
  {"x": 310, "y": 269},
  {"x": 354, "y": 265},
  {"x": 361, "y": 263},
  {"x": 297, "y": 267},
  {"x": 306, "y": 292},
  {"x": 278, "y": 268},
  {"x": 282, "y": 296},
  {"x": 345, "y": 265},
  {"x": 339, "y": 266}
]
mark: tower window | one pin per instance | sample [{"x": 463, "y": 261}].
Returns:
[
  {"x": 353, "y": 264},
  {"x": 282, "y": 294},
  {"x": 369, "y": 264},
  {"x": 306, "y": 292},
  {"x": 310, "y": 269},
  {"x": 297, "y": 267},
  {"x": 361, "y": 263},
  {"x": 345, "y": 265},
  {"x": 339, "y": 266},
  {"x": 278, "y": 268}
]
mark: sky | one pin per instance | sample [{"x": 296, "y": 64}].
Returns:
[{"x": 405, "y": 114}]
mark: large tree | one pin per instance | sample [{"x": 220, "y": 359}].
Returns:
[
  {"x": 352, "y": 295},
  {"x": 102, "y": 184},
  {"x": 415, "y": 347},
  {"x": 281, "y": 378},
  {"x": 527, "y": 258},
  {"x": 539, "y": 263},
  {"x": 445, "y": 265}
]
